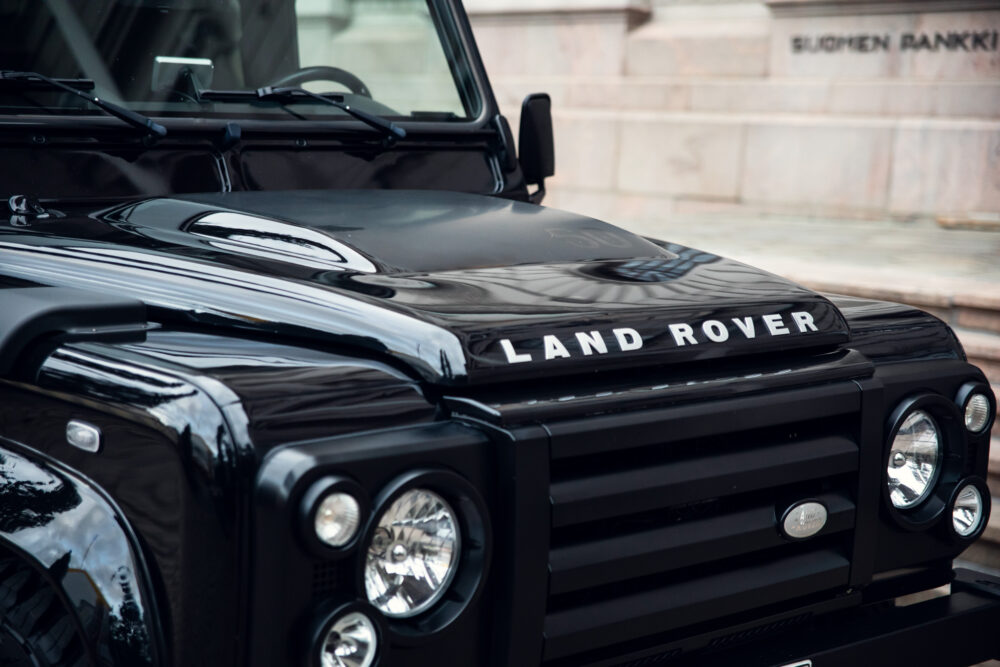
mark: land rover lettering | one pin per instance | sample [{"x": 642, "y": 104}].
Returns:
[{"x": 594, "y": 342}]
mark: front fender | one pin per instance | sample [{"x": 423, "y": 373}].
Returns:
[{"x": 73, "y": 533}]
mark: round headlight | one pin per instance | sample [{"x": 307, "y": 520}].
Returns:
[
  {"x": 967, "y": 512},
  {"x": 977, "y": 413},
  {"x": 337, "y": 519},
  {"x": 350, "y": 642},
  {"x": 413, "y": 554},
  {"x": 914, "y": 459}
]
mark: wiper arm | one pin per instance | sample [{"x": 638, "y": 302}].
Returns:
[
  {"x": 290, "y": 94},
  {"x": 31, "y": 79}
]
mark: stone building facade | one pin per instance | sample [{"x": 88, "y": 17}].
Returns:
[{"x": 815, "y": 107}]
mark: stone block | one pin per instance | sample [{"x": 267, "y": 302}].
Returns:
[
  {"x": 941, "y": 46},
  {"x": 974, "y": 296},
  {"x": 946, "y": 166},
  {"x": 699, "y": 48},
  {"x": 984, "y": 346},
  {"x": 594, "y": 92},
  {"x": 680, "y": 154},
  {"x": 848, "y": 97},
  {"x": 759, "y": 96},
  {"x": 980, "y": 99},
  {"x": 592, "y": 203},
  {"x": 510, "y": 91},
  {"x": 963, "y": 58},
  {"x": 566, "y": 43},
  {"x": 829, "y": 164},
  {"x": 613, "y": 207},
  {"x": 586, "y": 145},
  {"x": 991, "y": 369},
  {"x": 630, "y": 94}
]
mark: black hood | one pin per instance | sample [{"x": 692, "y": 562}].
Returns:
[{"x": 462, "y": 288}]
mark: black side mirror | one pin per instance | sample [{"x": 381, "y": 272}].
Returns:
[{"x": 534, "y": 144}]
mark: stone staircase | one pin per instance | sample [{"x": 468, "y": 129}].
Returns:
[{"x": 700, "y": 122}]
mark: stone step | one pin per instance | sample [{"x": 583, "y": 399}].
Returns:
[
  {"x": 983, "y": 350},
  {"x": 885, "y": 97},
  {"x": 819, "y": 165},
  {"x": 995, "y": 463},
  {"x": 977, "y": 316},
  {"x": 702, "y": 40},
  {"x": 992, "y": 534}
]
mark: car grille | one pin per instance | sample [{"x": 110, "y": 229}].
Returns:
[{"x": 665, "y": 519}]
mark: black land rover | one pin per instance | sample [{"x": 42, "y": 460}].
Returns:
[{"x": 294, "y": 370}]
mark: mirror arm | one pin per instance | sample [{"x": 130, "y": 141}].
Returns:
[{"x": 538, "y": 195}]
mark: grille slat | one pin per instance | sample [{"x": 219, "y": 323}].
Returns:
[
  {"x": 700, "y": 420},
  {"x": 676, "y": 483},
  {"x": 594, "y": 563},
  {"x": 684, "y": 603},
  {"x": 667, "y": 518}
]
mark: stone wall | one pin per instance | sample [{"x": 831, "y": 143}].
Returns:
[{"x": 809, "y": 107}]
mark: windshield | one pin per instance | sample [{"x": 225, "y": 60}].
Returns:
[{"x": 394, "y": 58}]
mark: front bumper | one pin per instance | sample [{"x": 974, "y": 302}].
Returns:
[{"x": 958, "y": 629}]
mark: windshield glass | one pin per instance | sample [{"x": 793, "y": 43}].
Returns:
[{"x": 394, "y": 58}]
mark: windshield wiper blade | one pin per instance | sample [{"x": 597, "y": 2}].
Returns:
[
  {"x": 131, "y": 117},
  {"x": 294, "y": 92},
  {"x": 290, "y": 94}
]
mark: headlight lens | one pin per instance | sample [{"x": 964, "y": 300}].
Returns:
[
  {"x": 967, "y": 513},
  {"x": 977, "y": 413},
  {"x": 350, "y": 642},
  {"x": 413, "y": 554},
  {"x": 337, "y": 519},
  {"x": 914, "y": 459}
]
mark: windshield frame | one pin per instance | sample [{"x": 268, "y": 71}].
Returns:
[{"x": 443, "y": 13}]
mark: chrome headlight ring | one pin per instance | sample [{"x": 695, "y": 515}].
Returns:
[
  {"x": 350, "y": 634},
  {"x": 930, "y": 505},
  {"x": 914, "y": 462},
  {"x": 462, "y": 586},
  {"x": 968, "y": 510}
]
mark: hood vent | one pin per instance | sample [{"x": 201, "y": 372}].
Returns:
[{"x": 281, "y": 241}]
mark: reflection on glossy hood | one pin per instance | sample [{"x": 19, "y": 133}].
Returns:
[
  {"x": 463, "y": 288},
  {"x": 396, "y": 231}
]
